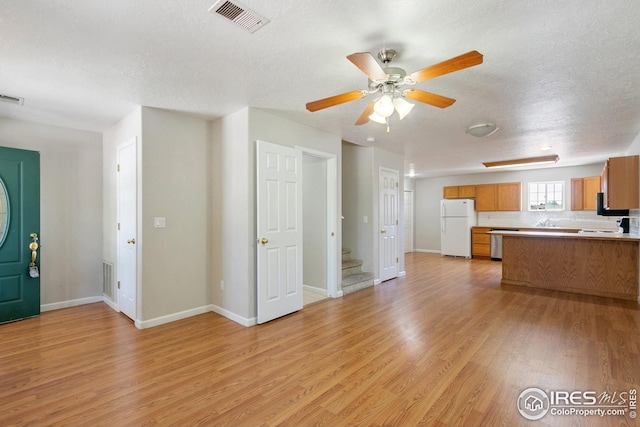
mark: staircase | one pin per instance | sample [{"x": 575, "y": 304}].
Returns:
[{"x": 353, "y": 278}]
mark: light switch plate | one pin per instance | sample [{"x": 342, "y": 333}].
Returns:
[{"x": 159, "y": 222}]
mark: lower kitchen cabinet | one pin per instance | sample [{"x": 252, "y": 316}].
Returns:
[{"x": 480, "y": 242}]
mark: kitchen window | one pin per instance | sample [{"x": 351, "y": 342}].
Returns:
[{"x": 546, "y": 196}]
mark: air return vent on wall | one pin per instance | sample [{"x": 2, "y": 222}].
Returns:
[{"x": 234, "y": 11}]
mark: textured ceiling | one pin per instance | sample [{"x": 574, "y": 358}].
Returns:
[{"x": 554, "y": 73}]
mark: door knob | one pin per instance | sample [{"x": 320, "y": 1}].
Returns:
[
  {"x": 131, "y": 241},
  {"x": 33, "y": 247},
  {"x": 264, "y": 240},
  {"x": 383, "y": 231}
]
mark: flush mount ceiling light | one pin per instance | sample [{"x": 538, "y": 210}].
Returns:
[
  {"x": 553, "y": 158},
  {"x": 482, "y": 129}
]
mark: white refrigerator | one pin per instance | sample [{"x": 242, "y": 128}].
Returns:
[{"x": 457, "y": 216}]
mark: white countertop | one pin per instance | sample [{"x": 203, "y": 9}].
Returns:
[{"x": 561, "y": 235}]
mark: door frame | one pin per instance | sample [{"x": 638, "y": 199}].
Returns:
[
  {"x": 396, "y": 173},
  {"x": 413, "y": 221},
  {"x": 333, "y": 236},
  {"x": 137, "y": 291}
]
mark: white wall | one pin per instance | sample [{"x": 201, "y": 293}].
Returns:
[
  {"x": 127, "y": 128},
  {"x": 429, "y": 193},
  {"x": 173, "y": 182},
  {"x": 175, "y": 185},
  {"x": 314, "y": 224},
  {"x": 357, "y": 203},
  {"x": 360, "y": 199},
  {"x": 233, "y": 203},
  {"x": 70, "y": 206}
]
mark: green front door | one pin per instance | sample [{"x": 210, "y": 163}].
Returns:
[{"x": 19, "y": 230}]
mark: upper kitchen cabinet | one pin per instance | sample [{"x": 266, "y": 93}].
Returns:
[
  {"x": 620, "y": 183},
  {"x": 450, "y": 192},
  {"x": 486, "y": 197},
  {"x": 505, "y": 196},
  {"x": 583, "y": 193},
  {"x": 510, "y": 196},
  {"x": 459, "y": 192}
]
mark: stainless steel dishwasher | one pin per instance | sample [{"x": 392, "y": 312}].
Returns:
[{"x": 496, "y": 244}]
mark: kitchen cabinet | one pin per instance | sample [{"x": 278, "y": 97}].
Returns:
[
  {"x": 480, "y": 242},
  {"x": 450, "y": 192},
  {"x": 459, "y": 192},
  {"x": 583, "y": 193},
  {"x": 486, "y": 197},
  {"x": 620, "y": 183},
  {"x": 510, "y": 196},
  {"x": 467, "y": 191},
  {"x": 505, "y": 196}
]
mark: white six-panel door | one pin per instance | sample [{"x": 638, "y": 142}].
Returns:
[
  {"x": 388, "y": 221},
  {"x": 127, "y": 230},
  {"x": 279, "y": 227}
]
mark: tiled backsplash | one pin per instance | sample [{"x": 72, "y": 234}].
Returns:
[{"x": 565, "y": 219}]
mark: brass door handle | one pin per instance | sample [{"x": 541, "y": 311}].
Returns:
[
  {"x": 33, "y": 247},
  {"x": 383, "y": 231},
  {"x": 131, "y": 241},
  {"x": 264, "y": 240}
]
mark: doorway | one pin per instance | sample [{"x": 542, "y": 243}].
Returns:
[
  {"x": 408, "y": 221},
  {"x": 320, "y": 211},
  {"x": 388, "y": 188},
  {"x": 127, "y": 230}
]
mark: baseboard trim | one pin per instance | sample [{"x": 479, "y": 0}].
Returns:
[
  {"x": 315, "y": 290},
  {"x": 402, "y": 274},
  {"x": 69, "y": 303},
  {"x": 111, "y": 304},
  {"x": 232, "y": 316},
  {"x": 429, "y": 251},
  {"x": 144, "y": 324}
]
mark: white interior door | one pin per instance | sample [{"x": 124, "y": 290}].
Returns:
[
  {"x": 279, "y": 227},
  {"x": 127, "y": 213},
  {"x": 408, "y": 221},
  {"x": 388, "y": 221}
]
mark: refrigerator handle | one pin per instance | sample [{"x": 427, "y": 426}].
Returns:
[
  {"x": 443, "y": 210},
  {"x": 442, "y": 225}
]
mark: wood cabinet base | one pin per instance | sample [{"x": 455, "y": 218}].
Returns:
[{"x": 587, "y": 266}]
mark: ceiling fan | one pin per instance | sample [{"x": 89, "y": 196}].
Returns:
[{"x": 390, "y": 82}]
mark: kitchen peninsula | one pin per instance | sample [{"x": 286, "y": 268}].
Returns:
[{"x": 603, "y": 264}]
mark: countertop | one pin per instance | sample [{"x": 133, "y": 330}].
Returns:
[
  {"x": 563, "y": 235},
  {"x": 525, "y": 228}
]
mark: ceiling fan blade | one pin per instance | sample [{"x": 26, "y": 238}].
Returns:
[
  {"x": 461, "y": 62},
  {"x": 336, "y": 100},
  {"x": 429, "y": 98},
  {"x": 364, "y": 117},
  {"x": 368, "y": 64}
]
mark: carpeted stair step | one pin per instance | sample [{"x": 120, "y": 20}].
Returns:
[{"x": 356, "y": 282}]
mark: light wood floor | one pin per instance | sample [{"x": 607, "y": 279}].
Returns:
[{"x": 443, "y": 346}]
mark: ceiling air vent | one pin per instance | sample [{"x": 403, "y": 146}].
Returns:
[
  {"x": 12, "y": 99},
  {"x": 234, "y": 11}
]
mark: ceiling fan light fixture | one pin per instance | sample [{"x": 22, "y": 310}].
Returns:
[
  {"x": 482, "y": 129},
  {"x": 384, "y": 106},
  {"x": 402, "y": 107},
  {"x": 374, "y": 117}
]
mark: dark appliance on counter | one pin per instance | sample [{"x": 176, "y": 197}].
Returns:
[{"x": 600, "y": 210}]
